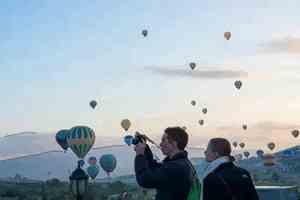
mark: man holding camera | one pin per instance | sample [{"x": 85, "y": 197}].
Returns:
[{"x": 172, "y": 178}]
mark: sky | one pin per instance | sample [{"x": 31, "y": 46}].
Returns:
[{"x": 56, "y": 56}]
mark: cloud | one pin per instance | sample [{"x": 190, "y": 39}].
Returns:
[
  {"x": 204, "y": 74},
  {"x": 290, "y": 45}
]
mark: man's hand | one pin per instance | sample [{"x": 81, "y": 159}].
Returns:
[{"x": 140, "y": 148}]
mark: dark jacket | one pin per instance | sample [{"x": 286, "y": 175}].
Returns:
[
  {"x": 229, "y": 182},
  {"x": 172, "y": 178}
]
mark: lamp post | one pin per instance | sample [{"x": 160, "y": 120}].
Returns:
[{"x": 78, "y": 182}]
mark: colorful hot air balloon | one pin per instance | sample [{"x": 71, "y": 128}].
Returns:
[
  {"x": 295, "y": 133},
  {"x": 245, "y": 127},
  {"x": 108, "y": 162},
  {"x": 61, "y": 139},
  {"x": 92, "y": 160},
  {"x": 238, "y": 84},
  {"x": 246, "y": 154},
  {"x": 204, "y": 110},
  {"x": 93, "y": 104},
  {"x": 93, "y": 171},
  {"x": 242, "y": 145},
  {"x": 193, "y": 102},
  {"x": 235, "y": 144},
  {"x": 192, "y": 65},
  {"x": 81, "y": 139},
  {"x": 145, "y": 32},
  {"x": 201, "y": 122},
  {"x": 260, "y": 153},
  {"x": 227, "y": 35},
  {"x": 271, "y": 146},
  {"x": 128, "y": 139},
  {"x": 268, "y": 160},
  {"x": 126, "y": 124}
]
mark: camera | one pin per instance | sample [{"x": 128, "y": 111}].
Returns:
[{"x": 139, "y": 138}]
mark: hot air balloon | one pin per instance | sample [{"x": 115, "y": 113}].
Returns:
[
  {"x": 126, "y": 124},
  {"x": 235, "y": 144},
  {"x": 227, "y": 35},
  {"x": 268, "y": 160},
  {"x": 93, "y": 104},
  {"x": 204, "y": 110},
  {"x": 92, "y": 160},
  {"x": 245, "y": 127},
  {"x": 238, "y": 84},
  {"x": 246, "y": 154},
  {"x": 242, "y": 145},
  {"x": 192, "y": 65},
  {"x": 81, "y": 163},
  {"x": 295, "y": 133},
  {"x": 81, "y": 139},
  {"x": 145, "y": 32},
  {"x": 260, "y": 153},
  {"x": 61, "y": 139},
  {"x": 271, "y": 146},
  {"x": 201, "y": 122},
  {"x": 108, "y": 162},
  {"x": 128, "y": 139},
  {"x": 93, "y": 171},
  {"x": 193, "y": 102}
]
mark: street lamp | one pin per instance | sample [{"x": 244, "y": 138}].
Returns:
[{"x": 79, "y": 182}]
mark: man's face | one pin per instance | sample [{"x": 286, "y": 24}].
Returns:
[
  {"x": 167, "y": 145},
  {"x": 209, "y": 154}
]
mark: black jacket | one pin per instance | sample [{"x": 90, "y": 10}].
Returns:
[
  {"x": 172, "y": 178},
  {"x": 229, "y": 182}
]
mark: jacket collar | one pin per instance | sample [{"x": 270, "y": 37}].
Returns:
[{"x": 180, "y": 155}]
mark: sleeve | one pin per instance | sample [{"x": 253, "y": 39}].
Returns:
[
  {"x": 150, "y": 176},
  {"x": 252, "y": 194}
]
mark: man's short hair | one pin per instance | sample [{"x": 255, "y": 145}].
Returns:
[
  {"x": 178, "y": 135},
  {"x": 221, "y": 146}
]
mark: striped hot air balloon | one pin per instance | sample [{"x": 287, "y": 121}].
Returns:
[{"x": 81, "y": 139}]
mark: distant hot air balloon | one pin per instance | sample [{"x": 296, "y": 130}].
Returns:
[
  {"x": 204, "y": 110},
  {"x": 268, "y": 160},
  {"x": 126, "y": 124},
  {"x": 238, "y": 84},
  {"x": 81, "y": 139},
  {"x": 235, "y": 144},
  {"x": 242, "y": 145},
  {"x": 108, "y": 162},
  {"x": 193, "y": 102},
  {"x": 93, "y": 171},
  {"x": 128, "y": 139},
  {"x": 295, "y": 133},
  {"x": 260, "y": 153},
  {"x": 145, "y": 32},
  {"x": 271, "y": 146},
  {"x": 227, "y": 35},
  {"x": 245, "y": 127},
  {"x": 81, "y": 163},
  {"x": 92, "y": 160},
  {"x": 61, "y": 139},
  {"x": 192, "y": 65},
  {"x": 93, "y": 104},
  {"x": 201, "y": 122},
  {"x": 246, "y": 154}
]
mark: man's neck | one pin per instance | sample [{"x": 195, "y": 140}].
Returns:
[{"x": 173, "y": 153}]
